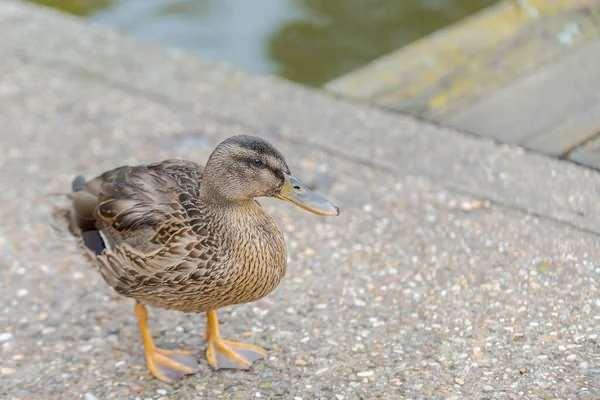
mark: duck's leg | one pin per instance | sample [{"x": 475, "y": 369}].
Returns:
[
  {"x": 166, "y": 365},
  {"x": 222, "y": 353}
]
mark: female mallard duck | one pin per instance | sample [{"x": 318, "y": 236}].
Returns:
[{"x": 176, "y": 236}]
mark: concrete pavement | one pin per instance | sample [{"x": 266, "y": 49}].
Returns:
[{"x": 458, "y": 268}]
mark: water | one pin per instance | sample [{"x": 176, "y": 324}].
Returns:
[{"x": 308, "y": 41}]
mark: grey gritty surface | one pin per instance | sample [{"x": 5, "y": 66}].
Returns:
[{"x": 458, "y": 268}]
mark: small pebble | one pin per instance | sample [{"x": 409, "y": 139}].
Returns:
[
  {"x": 309, "y": 252},
  {"x": 5, "y": 337},
  {"x": 593, "y": 371},
  {"x": 473, "y": 205},
  {"x": 134, "y": 387},
  {"x": 365, "y": 374},
  {"x": 89, "y": 396},
  {"x": 571, "y": 357},
  {"x": 22, "y": 292},
  {"x": 359, "y": 303},
  {"x": 7, "y": 371},
  {"x": 459, "y": 381},
  {"x": 85, "y": 348},
  {"x": 162, "y": 392}
]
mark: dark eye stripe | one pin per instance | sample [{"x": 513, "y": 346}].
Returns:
[
  {"x": 251, "y": 161},
  {"x": 276, "y": 171}
]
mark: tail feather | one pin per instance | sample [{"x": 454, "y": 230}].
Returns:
[
  {"x": 78, "y": 184},
  {"x": 82, "y": 220}
]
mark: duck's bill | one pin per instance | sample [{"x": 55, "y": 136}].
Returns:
[{"x": 294, "y": 191}]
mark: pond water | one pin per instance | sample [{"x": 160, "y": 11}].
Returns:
[{"x": 308, "y": 41}]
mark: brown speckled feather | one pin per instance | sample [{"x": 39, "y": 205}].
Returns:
[{"x": 167, "y": 248}]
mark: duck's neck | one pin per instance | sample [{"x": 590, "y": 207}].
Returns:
[
  {"x": 249, "y": 240},
  {"x": 223, "y": 205}
]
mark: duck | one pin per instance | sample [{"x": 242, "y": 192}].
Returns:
[{"x": 183, "y": 237}]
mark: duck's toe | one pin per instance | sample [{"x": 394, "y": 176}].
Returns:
[
  {"x": 171, "y": 365},
  {"x": 227, "y": 354}
]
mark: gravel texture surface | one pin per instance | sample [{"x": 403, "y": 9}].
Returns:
[{"x": 444, "y": 277}]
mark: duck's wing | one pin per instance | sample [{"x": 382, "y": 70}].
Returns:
[{"x": 138, "y": 224}]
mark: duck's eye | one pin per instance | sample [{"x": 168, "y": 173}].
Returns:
[{"x": 257, "y": 163}]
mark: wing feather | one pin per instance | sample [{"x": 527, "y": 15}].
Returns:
[{"x": 145, "y": 213}]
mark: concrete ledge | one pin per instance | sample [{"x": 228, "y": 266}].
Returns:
[
  {"x": 520, "y": 72},
  {"x": 455, "y": 66}
]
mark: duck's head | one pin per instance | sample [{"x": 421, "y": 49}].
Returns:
[{"x": 244, "y": 167}]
